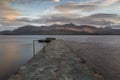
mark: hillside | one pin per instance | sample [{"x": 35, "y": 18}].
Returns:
[{"x": 66, "y": 29}]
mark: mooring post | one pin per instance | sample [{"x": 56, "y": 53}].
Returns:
[
  {"x": 43, "y": 47},
  {"x": 34, "y": 48},
  {"x": 47, "y": 40}
]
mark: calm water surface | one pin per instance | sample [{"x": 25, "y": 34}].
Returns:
[{"x": 17, "y": 50}]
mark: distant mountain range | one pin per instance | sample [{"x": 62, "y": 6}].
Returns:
[{"x": 66, "y": 29}]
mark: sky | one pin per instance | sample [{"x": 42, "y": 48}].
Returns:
[{"x": 18, "y": 13}]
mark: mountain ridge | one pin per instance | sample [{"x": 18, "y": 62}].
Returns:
[{"x": 66, "y": 29}]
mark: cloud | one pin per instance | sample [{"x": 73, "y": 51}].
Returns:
[
  {"x": 51, "y": 19},
  {"x": 114, "y": 18},
  {"x": 103, "y": 15},
  {"x": 55, "y": 0},
  {"x": 10, "y": 25},
  {"x": 87, "y": 6},
  {"x": 61, "y": 18},
  {"x": 24, "y": 2},
  {"x": 61, "y": 14},
  {"x": 95, "y": 19},
  {"x": 8, "y": 15},
  {"x": 7, "y": 12},
  {"x": 100, "y": 19},
  {"x": 118, "y": 7},
  {"x": 72, "y": 7},
  {"x": 109, "y": 2},
  {"x": 105, "y": 2}
]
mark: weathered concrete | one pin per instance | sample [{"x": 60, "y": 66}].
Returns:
[
  {"x": 59, "y": 62},
  {"x": 104, "y": 58}
]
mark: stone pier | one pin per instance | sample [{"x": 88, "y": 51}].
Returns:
[{"x": 58, "y": 62}]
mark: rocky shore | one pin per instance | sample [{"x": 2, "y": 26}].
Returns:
[{"x": 59, "y": 61}]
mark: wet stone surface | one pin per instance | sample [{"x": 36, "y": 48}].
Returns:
[{"x": 58, "y": 62}]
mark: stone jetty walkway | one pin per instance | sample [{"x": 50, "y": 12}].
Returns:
[{"x": 58, "y": 62}]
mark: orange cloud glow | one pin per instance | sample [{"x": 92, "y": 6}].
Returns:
[
  {"x": 11, "y": 17},
  {"x": 7, "y": 12},
  {"x": 55, "y": 0}
]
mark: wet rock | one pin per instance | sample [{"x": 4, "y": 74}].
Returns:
[
  {"x": 23, "y": 67},
  {"x": 59, "y": 62}
]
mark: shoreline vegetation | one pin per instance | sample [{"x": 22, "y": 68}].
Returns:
[{"x": 58, "y": 62}]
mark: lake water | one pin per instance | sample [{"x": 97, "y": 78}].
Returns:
[{"x": 17, "y": 50}]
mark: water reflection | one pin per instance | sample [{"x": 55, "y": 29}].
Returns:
[
  {"x": 16, "y": 50},
  {"x": 9, "y": 57}
]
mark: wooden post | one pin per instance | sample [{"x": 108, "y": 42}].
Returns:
[
  {"x": 34, "y": 48},
  {"x": 43, "y": 47}
]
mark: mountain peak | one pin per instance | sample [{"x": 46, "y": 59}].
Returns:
[
  {"x": 62, "y": 29},
  {"x": 71, "y": 24}
]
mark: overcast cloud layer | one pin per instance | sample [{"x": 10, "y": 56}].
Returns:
[{"x": 16, "y": 13}]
